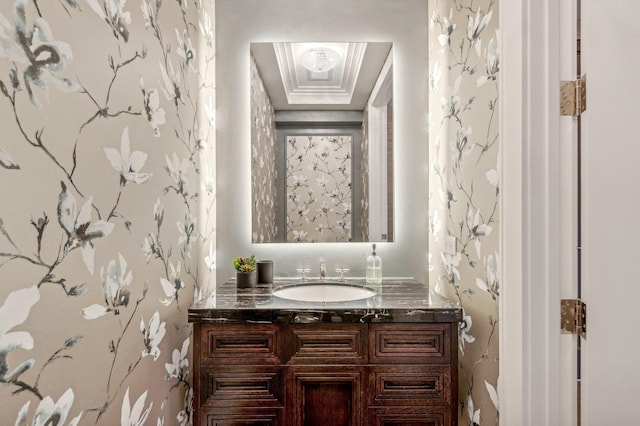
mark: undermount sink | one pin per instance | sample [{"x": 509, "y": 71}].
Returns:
[{"x": 321, "y": 291}]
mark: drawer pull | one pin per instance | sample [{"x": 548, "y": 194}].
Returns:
[
  {"x": 430, "y": 385},
  {"x": 415, "y": 343},
  {"x": 230, "y": 344},
  {"x": 243, "y": 387}
]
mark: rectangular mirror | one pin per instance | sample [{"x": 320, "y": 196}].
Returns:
[{"x": 321, "y": 142}]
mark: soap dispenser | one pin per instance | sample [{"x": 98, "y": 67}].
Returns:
[{"x": 374, "y": 268}]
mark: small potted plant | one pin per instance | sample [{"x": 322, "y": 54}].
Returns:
[{"x": 245, "y": 271}]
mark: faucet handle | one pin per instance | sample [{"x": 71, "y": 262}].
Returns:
[
  {"x": 323, "y": 271},
  {"x": 303, "y": 271},
  {"x": 342, "y": 271}
]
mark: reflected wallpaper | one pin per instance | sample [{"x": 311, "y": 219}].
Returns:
[
  {"x": 319, "y": 188},
  {"x": 107, "y": 220},
  {"x": 263, "y": 162},
  {"x": 364, "y": 168},
  {"x": 464, "y": 188}
]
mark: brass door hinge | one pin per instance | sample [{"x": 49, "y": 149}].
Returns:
[
  {"x": 573, "y": 317},
  {"x": 573, "y": 97}
]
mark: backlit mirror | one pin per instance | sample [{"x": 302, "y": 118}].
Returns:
[{"x": 321, "y": 142}]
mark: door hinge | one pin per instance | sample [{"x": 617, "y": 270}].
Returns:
[
  {"x": 573, "y": 97},
  {"x": 573, "y": 317}
]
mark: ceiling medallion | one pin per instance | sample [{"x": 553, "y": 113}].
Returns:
[{"x": 319, "y": 59}]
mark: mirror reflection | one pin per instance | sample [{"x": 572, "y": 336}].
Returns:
[{"x": 321, "y": 142}]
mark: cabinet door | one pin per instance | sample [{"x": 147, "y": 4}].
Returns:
[
  {"x": 325, "y": 395},
  {"x": 409, "y": 416}
]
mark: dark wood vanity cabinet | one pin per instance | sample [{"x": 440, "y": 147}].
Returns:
[
  {"x": 413, "y": 374},
  {"x": 361, "y": 374},
  {"x": 238, "y": 374}
]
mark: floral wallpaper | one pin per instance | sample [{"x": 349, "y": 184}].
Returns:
[
  {"x": 319, "y": 188},
  {"x": 364, "y": 164},
  {"x": 107, "y": 221},
  {"x": 464, "y": 188},
  {"x": 263, "y": 161}
]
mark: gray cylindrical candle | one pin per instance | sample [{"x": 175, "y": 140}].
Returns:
[{"x": 265, "y": 271}]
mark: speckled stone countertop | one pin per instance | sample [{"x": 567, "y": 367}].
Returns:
[{"x": 395, "y": 301}]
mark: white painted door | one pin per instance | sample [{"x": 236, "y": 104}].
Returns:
[{"x": 611, "y": 212}]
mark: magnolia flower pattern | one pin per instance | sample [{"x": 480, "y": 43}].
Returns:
[
  {"x": 171, "y": 79},
  {"x": 153, "y": 334},
  {"x": 136, "y": 415},
  {"x": 154, "y": 113},
  {"x": 178, "y": 368},
  {"x": 35, "y": 47},
  {"x": 7, "y": 161},
  {"x": 178, "y": 169},
  {"x": 185, "y": 49},
  {"x": 319, "y": 188},
  {"x": 78, "y": 226},
  {"x": 108, "y": 150},
  {"x": 127, "y": 163},
  {"x": 49, "y": 412},
  {"x": 210, "y": 259},
  {"x": 173, "y": 285},
  {"x": 116, "y": 281},
  {"x": 13, "y": 312},
  {"x": 464, "y": 66},
  {"x": 113, "y": 13}
]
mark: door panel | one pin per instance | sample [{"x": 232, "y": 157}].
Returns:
[{"x": 611, "y": 212}]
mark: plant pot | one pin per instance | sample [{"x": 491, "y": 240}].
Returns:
[{"x": 246, "y": 279}]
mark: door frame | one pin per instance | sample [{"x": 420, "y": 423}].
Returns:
[
  {"x": 381, "y": 95},
  {"x": 536, "y": 231}
]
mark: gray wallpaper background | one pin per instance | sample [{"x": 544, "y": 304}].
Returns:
[
  {"x": 464, "y": 188},
  {"x": 108, "y": 207}
]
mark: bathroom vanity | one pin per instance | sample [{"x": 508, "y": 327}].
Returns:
[{"x": 388, "y": 359}]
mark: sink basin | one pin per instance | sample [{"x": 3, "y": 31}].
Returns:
[{"x": 323, "y": 292}]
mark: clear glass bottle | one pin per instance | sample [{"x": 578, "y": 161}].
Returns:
[{"x": 374, "y": 268}]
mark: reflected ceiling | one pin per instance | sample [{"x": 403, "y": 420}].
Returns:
[
  {"x": 335, "y": 86},
  {"x": 346, "y": 86}
]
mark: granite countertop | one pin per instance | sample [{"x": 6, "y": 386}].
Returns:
[{"x": 396, "y": 300}]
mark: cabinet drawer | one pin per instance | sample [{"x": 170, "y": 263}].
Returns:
[
  {"x": 409, "y": 343},
  {"x": 246, "y": 386},
  {"x": 326, "y": 344},
  {"x": 409, "y": 416},
  {"x": 410, "y": 385},
  {"x": 241, "y": 344},
  {"x": 243, "y": 417}
]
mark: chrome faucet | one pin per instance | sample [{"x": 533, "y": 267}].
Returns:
[{"x": 323, "y": 271}]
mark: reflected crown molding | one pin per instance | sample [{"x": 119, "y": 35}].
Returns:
[{"x": 335, "y": 86}]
